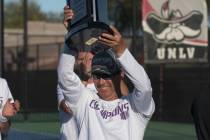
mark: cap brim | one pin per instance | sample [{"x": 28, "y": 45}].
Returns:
[{"x": 100, "y": 70}]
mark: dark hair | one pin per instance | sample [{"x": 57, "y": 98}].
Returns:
[{"x": 105, "y": 61}]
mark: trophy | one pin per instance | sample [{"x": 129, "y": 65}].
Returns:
[{"x": 89, "y": 22}]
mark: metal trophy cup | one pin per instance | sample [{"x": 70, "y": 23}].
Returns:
[{"x": 88, "y": 23}]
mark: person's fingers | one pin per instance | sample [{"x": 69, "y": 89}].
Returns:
[
  {"x": 68, "y": 16},
  {"x": 107, "y": 44},
  {"x": 17, "y": 105},
  {"x": 9, "y": 100},
  {"x": 117, "y": 34},
  {"x": 17, "y": 102},
  {"x": 14, "y": 112},
  {"x": 85, "y": 58},
  {"x": 66, "y": 7},
  {"x": 68, "y": 12},
  {"x": 116, "y": 38},
  {"x": 107, "y": 36},
  {"x": 69, "y": 111},
  {"x": 65, "y": 107},
  {"x": 65, "y": 23},
  {"x": 65, "y": 110},
  {"x": 114, "y": 30},
  {"x": 108, "y": 41},
  {"x": 62, "y": 105}
]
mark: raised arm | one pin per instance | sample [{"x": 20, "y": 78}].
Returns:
[
  {"x": 69, "y": 83},
  {"x": 142, "y": 95}
]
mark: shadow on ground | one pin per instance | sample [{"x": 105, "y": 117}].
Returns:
[{"x": 18, "y": 135}]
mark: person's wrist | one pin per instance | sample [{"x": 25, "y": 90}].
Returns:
[
  {"x": 120, "y": 48},
  {"x": 61, "y": 104},
  {"x": 65, "y": 23}
]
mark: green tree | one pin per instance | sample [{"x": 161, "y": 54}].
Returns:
[
  {"x": 121, "y": 14},
  {"x": 54, "y": 17},
  {"x": 34, "y": 12},
  {"x": 14, "y": 13}
]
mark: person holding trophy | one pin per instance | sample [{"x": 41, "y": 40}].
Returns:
[
  {"x": 68, "y": 130},
  {"x": 107, "y": 114}
]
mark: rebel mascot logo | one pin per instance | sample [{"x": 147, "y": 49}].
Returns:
[{"x": 177, "y": 30}]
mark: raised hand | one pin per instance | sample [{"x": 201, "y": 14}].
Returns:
[
  {"x": 68, "y": 15},
  {"x": 115, "y": 41}
]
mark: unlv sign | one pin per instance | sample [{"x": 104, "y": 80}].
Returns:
[{"x": 175, "y": 31}]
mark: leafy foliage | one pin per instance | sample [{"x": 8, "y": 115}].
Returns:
[{"x": 14, "y": 14}]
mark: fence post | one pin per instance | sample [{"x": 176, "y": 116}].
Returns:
[
  {"x": 134, "y": 27},
  {"x": 1, "y": 37},
  {"x": 162, "y": 66},
  {"x": 37, "y": 57},
  {"x": 25, "y": 58}
]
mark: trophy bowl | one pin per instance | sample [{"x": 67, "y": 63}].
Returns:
[
  {"x": 89, "y": 22},
  {"x": 85, "y": 36}
]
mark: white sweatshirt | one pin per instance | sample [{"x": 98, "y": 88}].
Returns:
[
  {"x": 5, "y": 94},
  {"x": 69, "y": 129},
  {"x": 121, "y": 119}
]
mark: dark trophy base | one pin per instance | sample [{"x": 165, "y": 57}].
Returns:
[{"x": 85, "y": 36}]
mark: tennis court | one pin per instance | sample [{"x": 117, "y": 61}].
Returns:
[{"x": 49, "y": 130}]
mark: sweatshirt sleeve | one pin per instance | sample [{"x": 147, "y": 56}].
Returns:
[
  {"x": 2, "y": 118},
  {"x": 142, "y": 93},
  {"x": 60, "y": 96},
  {"x": 69, "y": 83},
  {"x": 9, "y": 94}
]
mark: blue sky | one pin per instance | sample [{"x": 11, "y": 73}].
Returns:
[
  {"x": 49, "y": 5},
  {"x": 52, "y": 5}
]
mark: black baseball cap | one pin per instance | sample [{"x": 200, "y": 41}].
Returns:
[{"x": 105, "y": 63}]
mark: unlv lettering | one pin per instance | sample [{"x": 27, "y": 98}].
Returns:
[{"x": 175, "y": 53}]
